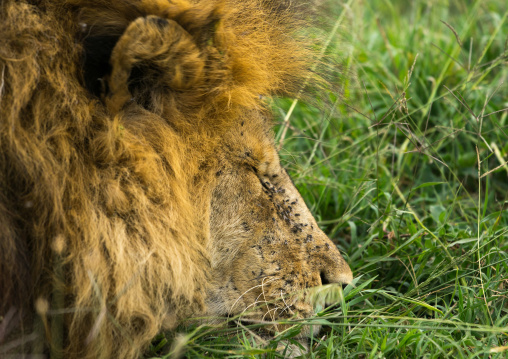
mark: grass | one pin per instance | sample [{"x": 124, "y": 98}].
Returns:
[{"x": 408, "y": 175}]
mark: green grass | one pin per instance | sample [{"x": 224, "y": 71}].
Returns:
[{"x": 391, "y": 173}]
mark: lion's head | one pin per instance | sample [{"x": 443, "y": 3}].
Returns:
[
  {"x": 140, "y": 180},
  {"x": 264, "y": 244}
]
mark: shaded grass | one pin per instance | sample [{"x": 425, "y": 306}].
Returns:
[{"x": 407, "y": 174}]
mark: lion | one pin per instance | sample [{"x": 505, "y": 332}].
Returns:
[{"x": 140, "y": 182}]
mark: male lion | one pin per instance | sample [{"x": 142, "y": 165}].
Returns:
[{"x": 139, "y": 180}]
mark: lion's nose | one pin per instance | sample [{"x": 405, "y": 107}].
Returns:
[
  {"x": 335, "y": 270},
  {"x": 344, "y": 276}
]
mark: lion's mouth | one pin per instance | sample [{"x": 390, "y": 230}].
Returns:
[{"x": 297, "y": 306}]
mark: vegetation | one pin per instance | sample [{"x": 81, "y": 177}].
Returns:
[{"x": 407, "y": 172}]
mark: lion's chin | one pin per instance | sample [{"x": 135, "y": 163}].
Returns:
[
  {"x": 291, "y": 316},
  {"x": 299, "y": 322}
]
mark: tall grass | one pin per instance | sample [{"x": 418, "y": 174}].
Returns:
[{"x": 408, "y": 175}]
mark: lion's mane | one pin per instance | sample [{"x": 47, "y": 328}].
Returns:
[{"x": 102, "y": 222}]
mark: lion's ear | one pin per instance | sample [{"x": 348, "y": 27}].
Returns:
[{"x": 154, "y": 55}]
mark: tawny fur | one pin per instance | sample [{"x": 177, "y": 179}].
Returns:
[{"x": 127, "y": 199}]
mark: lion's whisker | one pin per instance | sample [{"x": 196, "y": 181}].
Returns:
[{"x": 250, "y": 289}]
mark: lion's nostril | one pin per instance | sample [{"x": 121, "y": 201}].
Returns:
[
  {"x": 340, "y": 274},
  {"x": 324, "y": 280}
]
